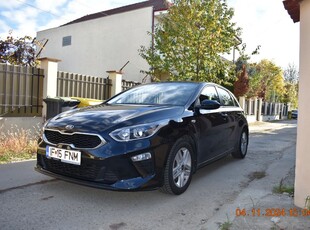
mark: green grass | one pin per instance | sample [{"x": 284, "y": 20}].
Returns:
[
  {"x": 307, "y": 203},
  {"x": 17, "y": 144},
  {"x": 226, "y": 225},
  {"x": 282, "y": 189}
]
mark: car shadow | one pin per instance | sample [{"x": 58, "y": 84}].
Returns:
[{"x": 89, "y": 194}]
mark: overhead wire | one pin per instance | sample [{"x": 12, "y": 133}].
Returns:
[
  {"x": 49, "y": 12},
  {"x": 35, "y": 7}
]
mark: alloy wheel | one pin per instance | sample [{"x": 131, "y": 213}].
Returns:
[
  {"x": 244, "y": 143},
  {"x": 182, "y": 165}
]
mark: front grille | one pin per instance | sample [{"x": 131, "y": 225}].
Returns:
[
  {"x": 76, "y": 140},
  {"x": 85, "y": 171},
  {"x": 106, "y": 171}
]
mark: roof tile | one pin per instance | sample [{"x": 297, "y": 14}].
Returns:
[
  {"x": 158, "y": 5},
  {"x": 293, "y": 9}
]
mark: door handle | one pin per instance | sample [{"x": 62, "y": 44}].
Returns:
[{"x": 224, "y": 115}]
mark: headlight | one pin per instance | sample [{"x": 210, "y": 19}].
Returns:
[{"x": 137, "y": 132}]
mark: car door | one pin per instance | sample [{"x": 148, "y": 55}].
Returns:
[
  {"x": 211, "y": 125},
  {"x": 231, "y": 110}
]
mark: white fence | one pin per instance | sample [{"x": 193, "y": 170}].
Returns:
[{"x": 258, "y": 110}]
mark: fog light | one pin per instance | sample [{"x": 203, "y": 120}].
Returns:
[{"x": 141, "y": 157}]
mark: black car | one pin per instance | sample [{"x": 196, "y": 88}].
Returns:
[
  {"x": 294, "y": 114},
  {"x": 150, "y": 136}
]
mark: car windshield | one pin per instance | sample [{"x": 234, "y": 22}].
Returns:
[{"x": 157, "y": 94}]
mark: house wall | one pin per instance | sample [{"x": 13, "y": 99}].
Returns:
[
  {"x": 102, "y": 44},
  {"x": 302, "y": 185}
]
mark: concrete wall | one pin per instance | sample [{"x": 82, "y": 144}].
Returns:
[
  {"x": 251, "y": 118},
  {"x": 302, "y": 179},
  {"x": 28, "y": 123},
  {"x": 102, "y": 44},
  {"x": 272, "y": 117}
]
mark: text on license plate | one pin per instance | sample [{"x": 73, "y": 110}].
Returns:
[{"x": 65, "y": 155}]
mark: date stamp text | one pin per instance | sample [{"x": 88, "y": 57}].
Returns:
[{"x": 272, "y": 212}]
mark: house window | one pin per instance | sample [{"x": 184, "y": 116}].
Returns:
[{"x": 66, "y": 41}]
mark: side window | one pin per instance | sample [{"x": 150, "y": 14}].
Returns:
[
  {"x": 225, "y": 97},
  {"x": 209, "y": 92},
  {"x": 235, "y": 101}
]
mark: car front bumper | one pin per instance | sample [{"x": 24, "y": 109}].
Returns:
[
  {"x": 134, "y": 184},
  {"x": 114, "y": 172}
]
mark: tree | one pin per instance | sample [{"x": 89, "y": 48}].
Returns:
[
  {"x": 291, "y": 94},
  {"x": 188, "y": 42},
  {"x": 243, "y": 69},
  {"x": 254, "y": 83},
  {"x": 291, "y": 85},
  {"x": 244, "y": 58},
  {"x": 291, "y": 74},
  {"x": 241, "y": 86},
  {"x": 18, "y": 51},
  {"x": 267, "y": 81}
]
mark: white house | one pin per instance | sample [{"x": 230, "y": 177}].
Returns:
[
  {"x": 299, "y": 10},
  {"x": 104, "y": 41}
]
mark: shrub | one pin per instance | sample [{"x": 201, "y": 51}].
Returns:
[{"x": 18, "y": 144}]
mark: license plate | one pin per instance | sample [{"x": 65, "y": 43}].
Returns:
[{"x": 65, "y": 155}]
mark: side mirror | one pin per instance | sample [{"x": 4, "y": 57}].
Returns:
[{"x": 209, "y": 104}]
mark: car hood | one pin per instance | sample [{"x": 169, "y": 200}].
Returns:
[{"x": 100, "y": 118}]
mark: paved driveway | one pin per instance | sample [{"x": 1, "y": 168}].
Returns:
[{"x": 30, "y": 200}]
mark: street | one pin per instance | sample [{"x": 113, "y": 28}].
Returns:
[{"x": 30, "y": 200}]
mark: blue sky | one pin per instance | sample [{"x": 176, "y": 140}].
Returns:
[{"x": 263, "y": 22}]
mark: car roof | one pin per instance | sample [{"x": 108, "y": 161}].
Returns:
[{"x": 184, "y": 82}]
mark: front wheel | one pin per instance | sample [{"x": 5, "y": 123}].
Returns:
[
  {"x": 242, "y": 145},
  {"x": 179, "y": 168}
]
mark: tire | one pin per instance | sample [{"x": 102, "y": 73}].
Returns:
[
  {"x": 179, "y": 167},
  {"x": 242, "y": 145}
]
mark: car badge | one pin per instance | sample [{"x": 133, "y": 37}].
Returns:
[{"x": 69, "y": 127}]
